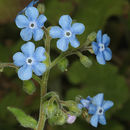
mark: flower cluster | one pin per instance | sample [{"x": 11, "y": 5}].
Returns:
[
  {"x": 32, "y": 59},
  {"x": 96, "y": 107}
]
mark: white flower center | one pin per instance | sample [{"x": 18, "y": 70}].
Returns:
[
  {"x": 102, "y": 47},
  {"x": 100, "y": 111},
  {"x": 68, "y": 33},
  {"x": 29, "y": 61},
  {"x": 32, "y": 25}
]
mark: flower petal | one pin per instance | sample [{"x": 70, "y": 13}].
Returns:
[
  {"x": 65, "y": 21},
  {"x": 94, "y": 120},
  {"x": 100, "y": 58},
  {"x": 85, "y": 102},
  {"x": 107, "y": 54},
  {"x": 28, "y": 48},
  {"x": 78, "y": 28},
  {"x": 106, "y": 40},
  {"x": 92, "y": 109},
  {"x": 39, "y": 68},
  {"x": 98, "y": 99},
  {"x": 25, "y": 72},
  {"x": 95, "y": 47},
  {"x": 38, "y": 34},
  {"x": 107, "y": 105},
  {"x": 74, "y": 42},
  {"x": 99, "y": 36},
  {"x": 26, "y": 34},
  {"x": 21, "y": 21},
  {"x": 41, "y": 20},
  {"x": 32, "y": 13},
  {"x": 63, "y": 44},
  {"x": 56, "y": 32},
  {"x": 19, "y": 59},
  {"x": 102, "y": 119},
  {"x": 39, "y": 54},
  {"x": 80, "y": 106}
]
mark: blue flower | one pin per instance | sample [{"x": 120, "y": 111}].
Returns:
[
  {"x": 30, "y": 60},
  {"x": 31, "y": 4},
  {"x": 67, "y": 33},
  {"x": 98, "y": 108},
  {"x": 31, "y": 24},
  {"x": 84, "y": 103},
  {"x": 101, "y": 50}
]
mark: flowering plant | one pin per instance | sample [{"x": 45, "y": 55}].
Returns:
[{"x": 36, "y": 63}]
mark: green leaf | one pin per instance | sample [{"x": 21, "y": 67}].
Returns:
[
  {"x": 23, "y": 119},
  {"x": 98, "y": 79},
  {"x": 29, "y": 87}
]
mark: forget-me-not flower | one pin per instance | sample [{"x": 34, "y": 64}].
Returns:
[
  {"x": 31, "y": 4},
  {"x": 67, "y": 33},
  {"x": 101, "y": 49},
  {"x": 31, "y": 24},
  {"x": 98, "y": 108},
  {"x": 30, "y": 60}
]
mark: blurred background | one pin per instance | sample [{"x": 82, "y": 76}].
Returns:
[{"x": 113, "y": 79}]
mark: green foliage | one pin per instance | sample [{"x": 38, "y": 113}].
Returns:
[
  {"x": 23, "y": 119},
  {"x": 29, "y": 87},
  {"x": 124, "y": 113},
  {"x": 94, "y": 13},
  {"x": 56, "y": 8},
  {"x": 11, "y": 99},
  {"x": 98, "y": 79},
  {"x": 81, "y": 125}
]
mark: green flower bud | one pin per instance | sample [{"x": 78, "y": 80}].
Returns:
[
  {"x": 85, "y": 61},
  {"x": 73, "y": 108},
  {"x": 63, "y": 64},
  {"x": 41, "y": 8},
  {"x": 92, "y": 36},
  {"x": 50, "y": 109},
  {"x": 29, "y": 87},
  {"x": 59, "y": 118}
]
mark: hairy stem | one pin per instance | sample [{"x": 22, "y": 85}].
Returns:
[
  {"x": 42, "y": 114},
  {"x": 11, "y": 65},
  {"x": 67, "y": 53}
]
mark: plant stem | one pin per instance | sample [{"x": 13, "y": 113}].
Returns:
[
  {"x": 67, "y": 53},
  {"x": 42, "y": 114},
  {"x": 3, "y": 65}
]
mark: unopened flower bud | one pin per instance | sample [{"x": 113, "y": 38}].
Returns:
[{"x": 71, "y": 119}]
